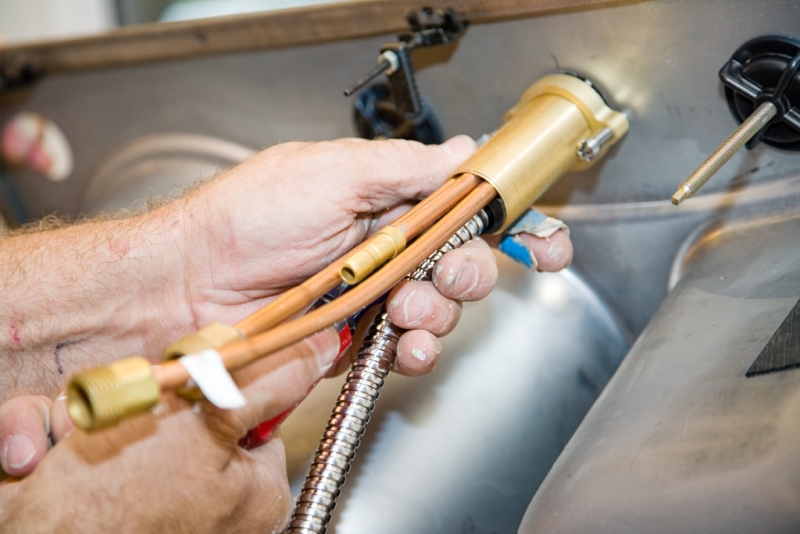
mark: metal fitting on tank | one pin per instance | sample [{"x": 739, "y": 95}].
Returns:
[
  {"x": 211, "y": 336},
  {"x": 541, "y": 139},
  {"x": 104, "y": 396}
]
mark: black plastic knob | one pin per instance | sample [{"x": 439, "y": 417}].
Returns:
[{"x": 767, "y": 69}]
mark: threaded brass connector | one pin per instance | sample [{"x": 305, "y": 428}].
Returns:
[
  {"x": 101, "y": 397},
  {"x": 380, "y": 248},
  {"x": 543, "y": 137},
  {"x": 211, "y": 336}
]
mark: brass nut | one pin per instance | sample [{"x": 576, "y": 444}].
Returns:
[
  {"x": 101, "y": 397},
  {"x": 537, "y": 143},
  {"x": 379, "y": 249},
  {"x": 211, "y": 336}
]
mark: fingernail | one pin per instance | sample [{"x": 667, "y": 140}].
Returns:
[
  {"x": 325, "y": 345},
  {"x": 415, "y": 307},
  {"x": 462, "y": 145},
  {"x": 466, "y": 279},
  {"x": 18, "y": 450}
]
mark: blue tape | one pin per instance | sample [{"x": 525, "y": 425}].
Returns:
[{"x": 513, "y": 247}]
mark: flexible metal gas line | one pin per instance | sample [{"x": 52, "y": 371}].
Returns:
[{"x": 349, "y": 419}]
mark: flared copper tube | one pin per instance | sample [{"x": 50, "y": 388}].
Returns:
[
  {"x": 298, "y": 299},
  {"x": 173, "y": 375}
]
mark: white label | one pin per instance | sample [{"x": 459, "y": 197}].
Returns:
[{"x": 209, "y": 373}]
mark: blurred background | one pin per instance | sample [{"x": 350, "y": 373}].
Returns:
[{"x": 32, "y": 20}]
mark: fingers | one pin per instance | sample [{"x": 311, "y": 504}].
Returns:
[
  {"x": 467, "y": 273},
  {"x": 391, "y": 171},
  {"x": 60, "y": 421},
  {"x": 26, "y": 424},
  {"x": 418, "y": 352},
  {"x": 274, "y": 384},
  {"x": 433, "y": 309},
  {"x": 419, "y": 306},
  {"x": 553, "y": 253},
  {"x": 24, "y": 429}
]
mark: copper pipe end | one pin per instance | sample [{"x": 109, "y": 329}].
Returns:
[{"x": 376, "y": 251}]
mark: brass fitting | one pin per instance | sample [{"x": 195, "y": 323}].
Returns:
[
  {"x": 543, "y": 137},
  {"x": 101, "y": 397},
  {"x": 212, "y": 336},
  {"x": 380, "y": 248}
]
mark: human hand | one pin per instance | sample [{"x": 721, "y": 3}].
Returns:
[
  {"x": 283, "y": 215},
  {"x": 239, "y": 241},
  {"x": 178, "y": 469},
  {"x": 28, "y": 426}
]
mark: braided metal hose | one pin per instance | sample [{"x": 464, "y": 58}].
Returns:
[{"x": 351, "y": 414}]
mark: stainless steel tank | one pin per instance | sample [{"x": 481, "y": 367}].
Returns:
[
  {"x": 682, "y": 440},
  {"x": 464, "y": 449}
]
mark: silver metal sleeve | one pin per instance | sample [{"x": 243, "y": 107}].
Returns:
[{"x": 354, "y": 406}]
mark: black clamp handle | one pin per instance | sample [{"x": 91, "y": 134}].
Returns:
[{"x": 428, "y": 28}]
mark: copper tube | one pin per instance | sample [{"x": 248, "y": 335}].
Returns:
[
  {"x": 437, "y": 204},
  {"x": 173, "y": 375},
  {"x": 413, "y": 222}
]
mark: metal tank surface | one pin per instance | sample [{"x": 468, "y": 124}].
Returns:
[
  {"x": 464, "y": 449},
  {"x": 682, "y": 440},
  {"x": 656, "y": 59}
]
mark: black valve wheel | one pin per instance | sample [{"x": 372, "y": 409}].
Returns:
[{"x": 767, "y": 69}]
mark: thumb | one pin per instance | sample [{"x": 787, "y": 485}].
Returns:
[
  {"x": 391, "y": 171},
  {"x": 60, "y": 422},
  {"x": 24, "y": 430}
]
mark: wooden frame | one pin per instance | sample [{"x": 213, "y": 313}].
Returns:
[{"x": 291, "y": 27}]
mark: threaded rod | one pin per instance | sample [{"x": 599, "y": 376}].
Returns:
[{"x": 750, "y": 127}]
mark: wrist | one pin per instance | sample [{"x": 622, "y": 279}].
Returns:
[{"x": 159, "y": 310}]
